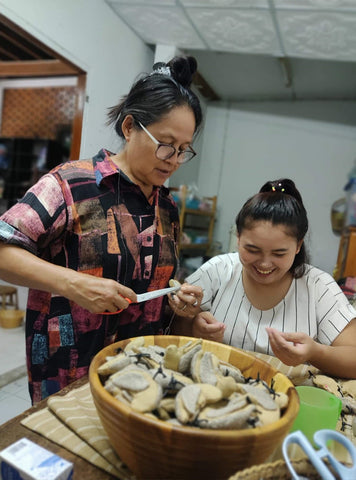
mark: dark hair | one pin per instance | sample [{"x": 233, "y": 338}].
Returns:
[
  {"x": 280, "y": 203},
  {"x": 155, "y": 94}
]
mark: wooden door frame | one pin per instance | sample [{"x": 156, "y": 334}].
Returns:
[{"x": 50, "y": 64}]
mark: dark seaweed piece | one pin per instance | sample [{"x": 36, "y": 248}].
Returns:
[{"x": 159, "y": 371}]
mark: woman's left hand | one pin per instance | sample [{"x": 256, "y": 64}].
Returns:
[
  {"x": 186, "y": 302},
  {"x": 291, "y": 348}
]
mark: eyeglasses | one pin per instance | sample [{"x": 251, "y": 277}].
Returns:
[{"x": 164, "y": 151}]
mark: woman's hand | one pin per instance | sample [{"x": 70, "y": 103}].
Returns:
[
  {"x": 98, "y": 294},
  {"x": 206, "y": 326},
  {"x": 291, "y": 348},
  {"x": 186, "y": 302}
]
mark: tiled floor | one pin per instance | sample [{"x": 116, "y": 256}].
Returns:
[
  {"x": 14, "y": 396},
  {"x": 14, "y": 399}
]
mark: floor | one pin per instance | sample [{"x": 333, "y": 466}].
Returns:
[{"x": 14, "y": 396}]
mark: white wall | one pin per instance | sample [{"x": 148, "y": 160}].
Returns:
[
  {"x": 242, "y": 146},
  {"x": 90, "y": 35},
  {"x": 243, "y": 149}
]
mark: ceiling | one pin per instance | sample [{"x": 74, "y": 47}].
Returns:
[
  {"x": 250, "y": 50},
  {"x": 22, "y": 55}
]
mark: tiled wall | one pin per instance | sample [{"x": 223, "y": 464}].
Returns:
[{"x": 37, "y": 112}]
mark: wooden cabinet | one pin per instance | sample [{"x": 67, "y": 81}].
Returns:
[
  {"x": 196, "y": 224},
  {"x": 346, "y": 259}
]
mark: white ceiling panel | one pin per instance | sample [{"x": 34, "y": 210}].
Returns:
[
  {"x": 319, "y": 34},
  {"x": 159, "y": 24},
  {"x": 144, "y": 2},
  {"x": 317, "y": 4},
  {"x": 225, "y": 3},
  {"x": 230, "y": 30},
  {"x": 257, "y": 49}
]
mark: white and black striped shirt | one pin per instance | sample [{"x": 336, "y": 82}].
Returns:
[{"x": 314, "y": 304}]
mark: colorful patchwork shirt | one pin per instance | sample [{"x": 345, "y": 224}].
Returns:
[{"x": 87, "y": 215}]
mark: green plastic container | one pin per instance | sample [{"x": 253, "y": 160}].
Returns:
[{"x": 318, "y": 409}]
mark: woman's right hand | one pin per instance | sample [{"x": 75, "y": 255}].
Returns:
[
  {"x": 206, "y": 326},
  {"x": 98, "y": 294}
]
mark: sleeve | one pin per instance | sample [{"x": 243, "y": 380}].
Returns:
[
  {"x": 38, "y": 218},
  {"x": 211, "y": 276},
  {"x": 333, "y": 309}
]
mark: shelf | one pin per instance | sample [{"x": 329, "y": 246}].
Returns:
[
  {"x": 346, "y": 260},
  {"x": 196, "y": 223},
  {"x": 196, "y": 211}
]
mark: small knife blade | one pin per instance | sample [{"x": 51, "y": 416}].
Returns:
[{"x": 143, "y": 297}]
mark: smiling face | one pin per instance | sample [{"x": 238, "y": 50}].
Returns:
[
  {"x": 138, "y": 158},
  {"x": 267, "y": 252}
]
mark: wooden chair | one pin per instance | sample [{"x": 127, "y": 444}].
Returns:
[{"x": 8, "y": 296}]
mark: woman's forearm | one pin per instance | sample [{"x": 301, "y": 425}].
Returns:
[
  {"x": 96, "y": 294},
  {"x": 20, "y": 267},
  {"x": 337, "y": 361}
]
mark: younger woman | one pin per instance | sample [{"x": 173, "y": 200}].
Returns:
[{"x": 266, "y": 298}]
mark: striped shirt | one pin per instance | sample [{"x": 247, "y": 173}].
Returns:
[
  {"x": 88, "y": 216},
  {"x": 314, "y": 304}
]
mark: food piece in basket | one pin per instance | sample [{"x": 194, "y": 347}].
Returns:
[
  {"x": 136, "y": 386},
  {"x": 235, "y": 414},
  {"x": 205, "y": 368},
  {"x": 192, "y": 398},
  {"x": 135, "y": 343},
  {"x": 231, "y": 371},
  {"x": 170, "y": 380},
  {"x": 114, "y": 364},
  {"x": 259, "y": 396},
  {"x": 179, "y": 358}
]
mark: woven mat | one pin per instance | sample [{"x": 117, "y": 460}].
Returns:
[{"x": 72, "y": 422}]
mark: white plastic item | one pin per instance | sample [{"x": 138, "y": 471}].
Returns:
[{"x": 26, "y": 460}]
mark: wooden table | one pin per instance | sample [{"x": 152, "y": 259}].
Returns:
[{"x": 12, "y": 431}]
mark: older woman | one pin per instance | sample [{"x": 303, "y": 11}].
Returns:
[{"x": 91, "y": 234}]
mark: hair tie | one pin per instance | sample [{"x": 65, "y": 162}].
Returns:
[
  {"x": 278, "y": 188},
  {"x": 162, "y": 69}
]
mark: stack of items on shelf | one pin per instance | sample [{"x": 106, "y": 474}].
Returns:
[{"x": 197, "y": 217}]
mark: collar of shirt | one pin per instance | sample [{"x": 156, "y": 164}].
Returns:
[{"x": 105, "y": 167}]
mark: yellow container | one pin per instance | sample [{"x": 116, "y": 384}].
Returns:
[{"x": 11, "y": 318}]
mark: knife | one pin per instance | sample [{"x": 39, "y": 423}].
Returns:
[{"x": 143, "y": 297}]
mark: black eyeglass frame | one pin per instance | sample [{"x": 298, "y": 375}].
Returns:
[{"x": 190, "y": 149}]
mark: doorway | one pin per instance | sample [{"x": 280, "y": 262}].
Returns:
[{"x": 23, "y": 56}]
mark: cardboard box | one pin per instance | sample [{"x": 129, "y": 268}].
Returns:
[{"x": 25, "y": 460}]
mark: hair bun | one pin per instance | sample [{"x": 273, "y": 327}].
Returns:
[
  {"x": 183, "y": 69},
  {"x": 282, "y": 185}
]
